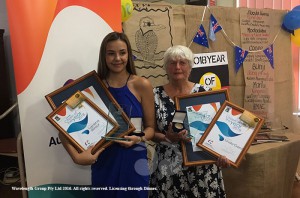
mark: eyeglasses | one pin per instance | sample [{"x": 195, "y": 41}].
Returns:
[{"x": 174, "y": 63}]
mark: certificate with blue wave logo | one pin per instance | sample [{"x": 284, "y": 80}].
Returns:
[
  {"x": 229, "y": 135},
  {"x": 82, "y": 122},
  {"x": 201, "y": 108},
  {"x": 199, "y": 118}
]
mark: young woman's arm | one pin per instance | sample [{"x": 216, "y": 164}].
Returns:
[
  {"x": 142, "y": 89},
  {"x": 83, "y": 158},
  {"x": 147, "y": 101}
]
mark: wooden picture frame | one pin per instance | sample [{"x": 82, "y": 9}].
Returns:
[
  {"x": 94, "y": 89},
  {"x": 193, "y": 156},
  {"x": 231, "y": 133},
  {"x": 82, "y": 122}
]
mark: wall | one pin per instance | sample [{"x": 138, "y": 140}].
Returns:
[
  {"x": 226, "y": 3},
  {"x": 4, "y": 25},
  {"x": 9, "y": 63}
]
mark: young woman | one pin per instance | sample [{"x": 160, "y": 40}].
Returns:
[{"x": 122, "y": 168}]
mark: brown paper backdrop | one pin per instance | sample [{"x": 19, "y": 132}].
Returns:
[
  {"x": 150, "y": 31},
  {"x": 186, "y": 20}
]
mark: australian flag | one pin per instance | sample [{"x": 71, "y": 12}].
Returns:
[
  {"x": 269, "y": 54},
  {"x": 214, "y": 27},
  {"x": 240, "y": 56},
  {"x": 201, "y": 37}
]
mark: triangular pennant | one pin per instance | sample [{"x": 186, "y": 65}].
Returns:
[
  {"x": 240, "y": 56},
  {"x": 212, "y": 35},
  {"x": 200, "y": 37},
  {"x": 269, "y": 54},
  {"x": 134, "y": 57},
  {"x": 214, "y": 27}
]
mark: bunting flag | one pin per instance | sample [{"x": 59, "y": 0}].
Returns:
[
  {"x": 240, "y": 56},
  {"x": 201, "y": 37},
  {"x": 212, "y": 2},
  {"x": 214, "y": 27},
  {"x": 269, "y": 54},
  {"x": 134, "y": 57}
]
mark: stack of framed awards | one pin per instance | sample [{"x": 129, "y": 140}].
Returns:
[
  {"x": 217, "y": 127},
  {"x": 86, "y": 113}
]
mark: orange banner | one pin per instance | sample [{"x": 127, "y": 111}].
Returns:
[{"x": 29, "y": 23}]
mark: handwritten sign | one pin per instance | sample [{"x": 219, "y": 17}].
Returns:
[{"x": 257, "y": 34}]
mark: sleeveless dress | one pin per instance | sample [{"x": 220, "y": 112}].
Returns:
[
  {"x": 169, "y": 177},
  {"x": 119, "y": 171}
]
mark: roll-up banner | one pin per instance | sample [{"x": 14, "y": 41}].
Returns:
[{"x": 53, "y": 41}]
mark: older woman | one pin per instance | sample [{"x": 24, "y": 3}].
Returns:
[{"x": 170, "y": 178}]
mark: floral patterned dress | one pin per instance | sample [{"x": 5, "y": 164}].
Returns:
[{"x": 169, "y": 177}]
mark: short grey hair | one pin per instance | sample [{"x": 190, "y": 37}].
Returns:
[{"x": 179, "y": 51}]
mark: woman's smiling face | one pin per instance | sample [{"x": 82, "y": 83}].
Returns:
[{"x": 116, "y": 56}]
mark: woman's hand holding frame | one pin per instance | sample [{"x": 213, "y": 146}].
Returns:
[
  {"x": 93, "y": 88},
  {"x": 191, "y": 157}
]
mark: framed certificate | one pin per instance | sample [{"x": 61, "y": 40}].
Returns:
[
  {"x": 95, "y": 90},
  {"x": 231, "y": 133},
  {"x": 82, "y": 122},
  {"x": 201, "y": 108}
]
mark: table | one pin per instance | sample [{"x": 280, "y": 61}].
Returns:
[{"x": 268, "y": 170}]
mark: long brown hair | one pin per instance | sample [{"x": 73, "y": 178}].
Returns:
[{"x": 102, "y": 66}]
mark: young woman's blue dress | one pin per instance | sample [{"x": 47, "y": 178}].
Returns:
[{"x": 122, "y": 172}]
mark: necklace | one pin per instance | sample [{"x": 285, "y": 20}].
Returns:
[{"x": 119, "y": 84}]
